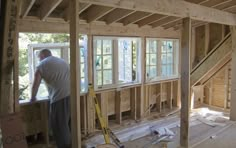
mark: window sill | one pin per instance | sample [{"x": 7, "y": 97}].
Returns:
[
  {"x": 161, "y": 80},
  {"x": 39, "y": 100},
  {"x": 117, "y": 87}
]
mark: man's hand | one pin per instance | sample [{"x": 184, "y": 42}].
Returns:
[{"x": 33, "y": 99}]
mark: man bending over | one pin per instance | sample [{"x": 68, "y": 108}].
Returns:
[{"x": 56, "y": 74}]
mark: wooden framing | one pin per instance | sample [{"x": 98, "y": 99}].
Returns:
[
  {"x": 178, "y": 8},
  {"x": 134, "y": 17},
  {"x": 75, "y": 75},
  {"x": 9, "y": 71},
  {"x": 117, "y": 15},
  {"x": 26, "y": 5},
  {"x": 47, "y": 7},
  {"x": 185, "y": 82},
  {"x": 233, "y": 76}
]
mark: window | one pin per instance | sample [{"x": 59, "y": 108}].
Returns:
[
  {"x": 60, "y": 50},
  {"x": 161, "y": 59},
  {"x": 116, "y": 61}
]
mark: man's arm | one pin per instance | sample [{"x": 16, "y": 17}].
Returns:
[{"x": 36, "y": 83}]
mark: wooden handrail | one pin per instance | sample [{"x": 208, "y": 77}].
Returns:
[{"x": 211, "y": 52}]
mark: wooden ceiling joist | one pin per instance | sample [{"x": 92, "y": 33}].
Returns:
[
  {"x": 149, "y": 19},
  {"x": 213, "y": 3},
  {"x": 222, "y": 3},
  {"x": 94, "y": 13},
  {"x": 26, "y": 5},
  {"x": 172, "y": 24},
  {"x": 226, "y": 5},
  {"x": 47, "y": 7},
  {"x": 83, "y": 6},
  {"x": 178, "y": 8},
  {"x": 134, "y": 17},
  {"x": 164, "y": 21},
  {"x": 116, "y": 15}
]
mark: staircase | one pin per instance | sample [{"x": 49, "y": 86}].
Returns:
[{"x": 213, "y": 62}]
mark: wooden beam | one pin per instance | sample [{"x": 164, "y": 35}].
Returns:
[
  {"x": 133, "y": 98},
  {"x": 150, "y": 19},
  {"x": 221, "y": 3},
  {"x": 226, "y": 86},
  {"x": 164, "y": 21},
  {"x": 25, "y": 7},
  {"x": 175, "y": 8},
  {"x": 83, "y": 7},
  {"x": 95, "y": 12},
  {"x": 185, "y": 82},
  {"x": 75, "y": 74},
  {"x": 233, "y": 76},
  {"x": 134, "y": 17},
  {"x": 47, "y": 7},
  {"x": 117, "y": 15},
  {"x": 118, "y": 108},
  {"x": 9, "y": 51},
  {"x": 97, "y": 28}
]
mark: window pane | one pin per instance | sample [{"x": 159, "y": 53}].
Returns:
[
  {"x": 107, "y": 46},
  {"x": 169, "y": 46},
  {"x": 153, "y": 71},
  {"x": 169, "y": 58},
  {"x": 163, "y": 47},
  {"x": 83, "y": 85},
  {"x": 82, "y": 54},
  {"x": 56, "y": 52},
  {"x": 169, "y": 70},
  {"x": 147, "y": 59},
  {"x": 153, "y": 59},
  {"x": 99, "y": 47},
  {"x": 163, "y": 58},
  {"x": 163, "y": 70},
  {"x": 99, "y": 77},
  {"x": 42, "y": 91},
  {"x": 98, "y": 62},
  {"x": 107, "y": 62},
  {"x": 153, "y": 47},
  {"x": 82, "y": 68},
  {"x": 107, "y": 77}
]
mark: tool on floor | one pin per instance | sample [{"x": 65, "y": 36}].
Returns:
[{"x": 107, "y": 132}]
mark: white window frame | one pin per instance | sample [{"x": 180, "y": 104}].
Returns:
[
  {"x": 64, "y": 47},
  {"x": 159, "y": 76},
  {"x": 115, "y": 64}
]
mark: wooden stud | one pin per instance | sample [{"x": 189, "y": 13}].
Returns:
[
  {"x": 134, "y": 17},
  {"x": 47, "y": 7},
  {"x": 185, "y": 82},
  {"x": 25, "y": 7},
  {"x": 133, "y": 98},
  {"x": 44, "y": 114},
  {"x": 226, "y": 86},
  {"x": 96, "y": 12},
  {"x": 8, "y": 60},
  {"x": 117, "y": 15},
  {"x": 118, "y": 108},
  {"x": 150, "y": 19},
  {"x": 158, "y": 99},
  {"x": 75, "y": 74},
  {"x": 233, "y": 76},
  {"x": 207, "y": 38},
  {"x": 90, "y": 102}
]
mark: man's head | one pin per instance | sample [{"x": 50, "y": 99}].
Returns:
[{"x": 44, "y": 53}]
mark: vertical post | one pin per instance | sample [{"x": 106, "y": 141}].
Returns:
[
  {"x": 75, "y": 74},
  {"x": 8, "y": 60},
  {"x": 226, "y": 86},
  {"x": 185, "y": 82},
  {"x": 141, "y": 97},
  {"x": 133, "y": 96},
  {"x": 90, "y": 101},
  {"x": 118, "y": 108},
  {"x": 233, "y": 75}
]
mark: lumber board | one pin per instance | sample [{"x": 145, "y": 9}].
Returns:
[
  {"x": 178, "y": 8},
  {"x": 185, "y": 82}
]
